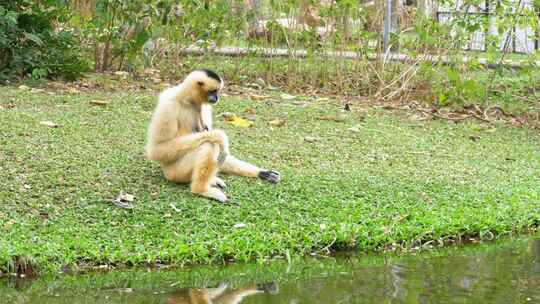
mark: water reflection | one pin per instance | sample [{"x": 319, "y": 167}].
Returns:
[
  {"x": 499, "y": 272},
  {"x": 219, "y": 295}
]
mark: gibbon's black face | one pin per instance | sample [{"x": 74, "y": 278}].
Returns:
[
  {"x": 213, "y": 97},
  {"x": 210, "y": 83}
]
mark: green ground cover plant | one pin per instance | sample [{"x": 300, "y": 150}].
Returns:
[{"x": 372, "y": 180}]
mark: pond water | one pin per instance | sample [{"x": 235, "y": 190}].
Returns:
[{"x": 496, "y": 272}]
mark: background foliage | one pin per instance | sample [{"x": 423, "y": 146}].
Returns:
[
  {"x": 56, "y": 38},
  {"x": 34, "y": 43}
]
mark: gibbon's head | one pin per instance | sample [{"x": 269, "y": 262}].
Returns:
[{"x": 206, "y": 84}]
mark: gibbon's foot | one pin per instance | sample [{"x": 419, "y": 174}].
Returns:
[
  {"x": 216, "y": 194},
  {"x": 269, "y": 287},
  {"x": 270, "y": 176},
  {"x": 218, "y": 182}
]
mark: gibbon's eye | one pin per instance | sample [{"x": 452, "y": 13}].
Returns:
[
  {"x": 200, "y": 83},
  {"x": 212, "y": 92}
]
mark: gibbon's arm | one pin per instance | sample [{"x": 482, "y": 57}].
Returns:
[
  {"x": 206, "y": 117},
  {"x": 174, "y": 149}
]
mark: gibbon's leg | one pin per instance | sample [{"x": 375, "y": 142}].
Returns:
[
  {"x": 232, "y": 165},
  {"x": 182, "y": 170},
  {"x": 205, "y": 169},
  {"x": 198, "y": 167}
]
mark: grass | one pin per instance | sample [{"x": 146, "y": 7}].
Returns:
[{"x": 398, "y": 182}]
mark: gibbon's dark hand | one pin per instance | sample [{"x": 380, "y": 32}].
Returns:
[{"x": 270, "y": 176}]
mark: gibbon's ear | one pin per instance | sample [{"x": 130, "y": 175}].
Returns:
[{"x": 200, "y": 83}]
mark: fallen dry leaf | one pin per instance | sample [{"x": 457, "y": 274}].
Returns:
[
  {"x": 474, "y": 137},
  {"x": 239, "y": 225},
  {"x": 249, "y": 110},
  {"x": 24, "y": 88},
  {"x": 127, "y": 197},
  {"x": 7, "y": 106},
  {"x": 173, "y": 206},
  {"x": 337, "y": 118},
  {"x": 256, "y": 97},
  {"x": 228, "y": 116},
  {"x": 96, "y": 102},
  {"x": 37, "y": 91},
  {"x": 240, "y": 122},
  {"x": 73, "y": 91},
  {"x": 124, "y": 200},
  {"x": 355, "y": 129},
  {"x": 287, "y": 96},
  {"x": 311, "y": 139},
  {"x": 121, "y": 73},
  {"x": 48, "y": 124},
  {"x": 277, "y": 122}
]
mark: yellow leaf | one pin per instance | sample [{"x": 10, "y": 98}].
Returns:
[
  {"x": 228, "y": 116},
  {"x": 240, "y": 122}
]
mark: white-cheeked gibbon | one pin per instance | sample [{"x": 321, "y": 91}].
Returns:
[{"x": 181, "y": 138}]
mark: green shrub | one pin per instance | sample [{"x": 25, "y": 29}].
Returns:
[{"x": 33, "y": 44}]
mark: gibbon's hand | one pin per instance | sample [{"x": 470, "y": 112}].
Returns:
[{"x": 270, "y": 176}]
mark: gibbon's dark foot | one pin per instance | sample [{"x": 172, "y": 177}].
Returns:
[
  {"x": 269, "y": 287},
  {"x": 270, "y": 176}
]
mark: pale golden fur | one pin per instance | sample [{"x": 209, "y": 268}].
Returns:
[
  {"x": 181, "y": 139},
  {"x": 219, "y": 295}
]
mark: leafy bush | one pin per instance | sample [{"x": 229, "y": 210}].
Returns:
[{"x": 32, "y": 46}]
